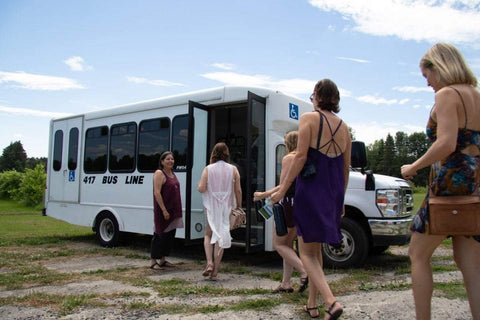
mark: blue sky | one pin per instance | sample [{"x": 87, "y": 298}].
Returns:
[{"x": 69, "y": 57}]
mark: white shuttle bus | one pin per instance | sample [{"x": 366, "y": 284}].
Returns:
[{"x": 101, "y": 166}]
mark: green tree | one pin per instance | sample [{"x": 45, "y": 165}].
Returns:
[
  {"x": 33, "y": 162},
  {"x": 32, "y": 187},
  {"x": 14, "y": 157},
  {"x": 9, "y": 183}
]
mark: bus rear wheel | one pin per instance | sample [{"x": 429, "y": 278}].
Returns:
[{"x": 106, "y": 227}]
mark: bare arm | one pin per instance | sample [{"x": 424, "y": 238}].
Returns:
[
  {"x": 445, "y": 114},
  {"x": 237, "y": 188},
  {"x": 286, "y": 162},
  {"x": 158, "y": 181},
  {"x": 202, "y": 184}
]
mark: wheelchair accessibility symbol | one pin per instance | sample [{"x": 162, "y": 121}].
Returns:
[
  {"x": 71, "y": 176},
  {"x": 293, "y": 110}
]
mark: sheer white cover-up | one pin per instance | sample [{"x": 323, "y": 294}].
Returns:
[{"x": 218, "y": 200}]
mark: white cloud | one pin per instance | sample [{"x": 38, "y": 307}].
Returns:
[
  {"x": 160, "y": 83},
  {"x": 379, "y": 100},
  {"x": 38, "y": 82},
  {"x": 373, "y": 131},
  {"x": 413, "y": 89},
  {"x": 223, "y": 66},
  {"x": 354, "y": 60},
  {"x": 293, "y": 86},
  {"x": 33, "y": 113},
  {"x": 77, "y": 63},
  {"x": 441, "y": 20}
]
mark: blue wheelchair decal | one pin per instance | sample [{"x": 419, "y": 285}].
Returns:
[
  {"x": 71, "y": 176},
  {"x": 293, "y": 111}
]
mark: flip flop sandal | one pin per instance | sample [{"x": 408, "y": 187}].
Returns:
[
  {"x": 335, "y": 315},
  {"x": 303, "y": 284},
  {"x": 167, "y": 264},
  {"x": 309, "y": 311},
  {"x": 208, "y": 270},
  {"x": 156, "y": 266}
]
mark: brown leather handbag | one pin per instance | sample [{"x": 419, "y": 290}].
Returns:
[{"x": 454, "y": 215}]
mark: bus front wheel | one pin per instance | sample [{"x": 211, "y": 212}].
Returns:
[{"x": 106, "y": 227}]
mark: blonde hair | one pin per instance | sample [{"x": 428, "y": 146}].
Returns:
[
  {"x": 449, "y": 63},
  {"x": 291, "y": 140}
]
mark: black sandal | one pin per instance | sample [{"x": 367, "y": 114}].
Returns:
[
  {"x": 309, "y": 311},
  {"x": 303, "y": 284},
  {"x": 156, "y": 266},
  {"x": 336, "y": 314}
]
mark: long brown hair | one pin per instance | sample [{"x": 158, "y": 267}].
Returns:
[{"x": 220, "y": 152}]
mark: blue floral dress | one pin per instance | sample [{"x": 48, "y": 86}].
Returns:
[{"x": 455, "y": 175}]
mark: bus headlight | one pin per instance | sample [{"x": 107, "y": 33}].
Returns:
[{"x": 388, "y": 202}]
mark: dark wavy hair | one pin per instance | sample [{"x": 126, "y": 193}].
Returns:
[
  {"x": 327, "y": 95},
  {"x": 162, "y": 157},
  {"x": 220, "y": 152}
]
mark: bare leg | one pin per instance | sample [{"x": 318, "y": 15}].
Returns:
[
  {"x": 311, "y": 256},
  {"x": 420, "y": 251},
  {"x": 208, "y": 251},
  {"x": 217, "y": 258},
  {"x": 284, "y": 247},
  {"x": 466, "y": 252}
]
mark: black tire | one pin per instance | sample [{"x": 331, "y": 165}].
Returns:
[
  {"x": 353, "y": 249},
  {"x": 106, "y": 227}
]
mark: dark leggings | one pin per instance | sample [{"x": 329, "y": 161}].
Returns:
[{"x": 162, "y": 244}]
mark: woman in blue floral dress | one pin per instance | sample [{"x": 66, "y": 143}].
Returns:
[{"x": 454, "y": 158}]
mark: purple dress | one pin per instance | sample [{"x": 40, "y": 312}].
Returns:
[{"x": 319, "y": 200}]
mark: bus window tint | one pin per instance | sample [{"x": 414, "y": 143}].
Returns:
[
  {"x": 153, "y": 140},
  {"x": 122, "y": 147},
  {"x": 180, "y": 141},
  {"x": 96, "y": 142},
  {"x": 58, "y": 150},
  {"x": 73, "y": 149}
]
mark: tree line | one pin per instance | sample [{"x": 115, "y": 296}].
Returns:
[{"x": 387, "y": 156}]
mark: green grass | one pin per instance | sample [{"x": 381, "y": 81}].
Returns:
[{"x": 20, "y": 225}]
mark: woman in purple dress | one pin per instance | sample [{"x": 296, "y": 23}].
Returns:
[
  {"x": 319, "y": 199},
  {"x": 167, "y": 211}
]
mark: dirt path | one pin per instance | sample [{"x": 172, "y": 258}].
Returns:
[{"x": 382, "y": 304}]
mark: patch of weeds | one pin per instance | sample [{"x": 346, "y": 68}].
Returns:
[
  {"x": 257, "y": 304},
  {"x": 211, "y": 309},
  {"x": 275, "y": 276},
  {"x": 452, "y": 290},
  {"x": 391, "y": 286},
  {"x": 69, "y": 303},
  {"x": 139, "y": 305}
]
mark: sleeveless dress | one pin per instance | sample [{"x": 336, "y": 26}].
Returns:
[
  {"x": 218, "y": 200},
  {"x": 173, "y": 203},
  {"x": 455, "y": 175},
  {"x": 319, "y": 199}
]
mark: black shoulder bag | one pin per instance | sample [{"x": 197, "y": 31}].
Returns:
[{"x": 310, "y": 169}]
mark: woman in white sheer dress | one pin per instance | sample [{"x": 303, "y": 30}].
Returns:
[{"x": 221, "y": 191}]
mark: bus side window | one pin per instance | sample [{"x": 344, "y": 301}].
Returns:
[
  {"x": 153, "y": 140},
  {"x": 96, "y": 143},
  {"x": 122, "y": 147},
  {"x": 180, "y": 141},
  {"x": 280, "y": 152},
  {"x": 58, "y": 150},
  {"x": 73, "y": 149}
]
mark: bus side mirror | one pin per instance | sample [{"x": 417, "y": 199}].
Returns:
[
  {"x": 359, "y": 160},
  {"x": 359, "y": 155}
]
